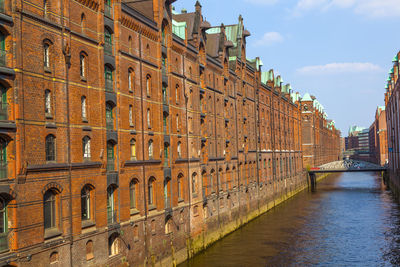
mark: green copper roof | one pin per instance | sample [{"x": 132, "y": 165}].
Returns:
[
  {"x": 306, "y": 97},
  {"x": 232, "y": 34},
  {"x": 391, "y": 71},
  {"x": 278, "y": 80},
  {"x": 213, "y": 30},
  {"x": 179, "y": 29},
  {"x": 395, "y": 59},
  {"x": 295, "y": 97}
]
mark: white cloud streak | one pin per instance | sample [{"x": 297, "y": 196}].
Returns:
[
  {"x": 368, "y": 8},
  {"x": 262, "y": 2},
  {"x": 339, "y": 68},
  {"x": 270, "y": 38}
]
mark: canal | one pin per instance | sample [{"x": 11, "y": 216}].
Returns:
[{"x": 351, "y": 220}]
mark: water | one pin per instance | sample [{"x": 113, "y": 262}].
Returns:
[{"x": 351, "y": 220}]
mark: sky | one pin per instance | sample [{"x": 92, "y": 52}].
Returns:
[{"x": 337, "y": 50}]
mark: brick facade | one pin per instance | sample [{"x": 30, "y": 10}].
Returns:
[{"x": 124, "y": 141}]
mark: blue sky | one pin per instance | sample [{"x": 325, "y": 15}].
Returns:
[{"x": 338, "y": 50}]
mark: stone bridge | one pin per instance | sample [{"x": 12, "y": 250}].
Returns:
[{"x": 348, "y": 165}]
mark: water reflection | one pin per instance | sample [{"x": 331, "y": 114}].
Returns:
[{"x": 351, "y": 220}]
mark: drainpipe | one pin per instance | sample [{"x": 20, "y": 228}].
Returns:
[
  {"x": 143, "y": 142},
  {"x": 273, "y": 141},
  {"x": 67, "y": 55}
]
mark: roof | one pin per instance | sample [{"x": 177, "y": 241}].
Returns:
[
  {"x": 306, "y": 97},
  {"x": 179, "y": 29}
]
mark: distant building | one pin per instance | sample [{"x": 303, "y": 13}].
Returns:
[
  {"x": 357, "y": 143},
  {"x": 378, "y": 138}
]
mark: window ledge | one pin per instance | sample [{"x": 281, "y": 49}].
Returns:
[
  {"x": 83, "y": 79},
  {"x": 51, "y": 233},
  {"x": 134, "y": 212},
  {"x": 47, "y": 69},
  {"x": 48, "y": 116},
  {"x": 85, "y": 120},
  {"x": 152, "y": 207},
  {"x": 180, "y": 200},
  {"x": 87, "y": 223}
]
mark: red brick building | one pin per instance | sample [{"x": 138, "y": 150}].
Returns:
[
  {"x": 378, "y": 138},
  {"x": 133, "y": 134}
]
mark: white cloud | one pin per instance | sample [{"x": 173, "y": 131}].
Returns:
[
  {"x": 369, "y": 8},
  {"x": 262, "y": 2},
  {"x": 269, "y": 38},
  {"x": 339, "y": 68}
]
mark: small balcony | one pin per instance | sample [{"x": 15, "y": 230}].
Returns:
[
  {"x": 3, "y": 171},
  {"x": 108, "y": 49},
  {"x": 3, "y": 111},
  {"x": 109, "y": 85}
]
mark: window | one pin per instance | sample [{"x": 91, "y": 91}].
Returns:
[
  {"x": 108, "y": 41},
  {"x": 132, "y": 193},
  {"x": 50, "y": 148},
  {"x": 110, "y": 156},
  {"x": 85, "y": 203},
  {"x": 177, "y": 122},
  {"x": 46, "y": 54},
  {"x": 89, "y": 250},
  {"x": 47, "y": 102},
  {"x": 82, "y": 66},
  {"x": 83, "y": 107},
  {"x": 148, "y": 85},
  {"x": 180, "y": 176},
  {"x": 3, "y": 224},
  {"x": 131, "y": 80},
  {"x": 107, "y": 8},
  {"x": 45, "y": 7},
  {"x": 83, "y": 22},
  {"x": 130, "y": 115},
  {"x": 178, "y": 148},
  {"x": 151, "y": 191},
  {"x": 49, "y": 211},
  {"x": 133, "y": 149},
  {"x": 166, "y": 154},
  {"x": 177, "y": 94},
  {"x": 130, "y": 44},
  {"x": 108, "y": 75},
  {"x": 194, "y": 183},
  {"x": 86, "y": 147},
  {"x": 150, "y": 149},
  {"x": 3, "y": 48},
  {"x": 109, "y": 117},
  {"x": 111, "y": 215},
  {"x": 148, "y": 119},
  {"x": 114, "y": 244},
  {"x": 3, "y": 158}
]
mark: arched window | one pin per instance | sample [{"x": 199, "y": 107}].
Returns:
[
  {"x": 3, "y": 48},
  {"x": 133, "y": 190},
  {"x": 110, "y": 156},
  {"x": 180, "y": 181},
  {"x": 194, "y": 183},
  {"x": 178, "y": 148},
  {"x": 46, "y": 55},
  {"x": 148, "y": 119},
  {"x": 148, "y": 85},
  {"x": 47, "y": 102},
  {"x": 50, "y": 148},
  {"x": 3, "y": 158},
  {"x": 3, "y": 224},
  {"x": 131, "y": 80},
  {"x": 82, "y": 66},
  {"x": 83, "y": 22},
  {"x": 166, "y": 154},
  {"x": 108, "y": 75},
  {"x": 109, "y": 116},
  {"x": 86, "y": 147},
  {"x": 163, "y": 39},
  {"x": 130, "y": 115},
  {"x": 212, "y": 181},
  {"x": 114, "y": 244},
  {"x": 151, "y": 191},
  {"x": 177, "y": 122},
  {"x": 49, "y": 210},
  {"x": 45, "y": 8},
  {"x": 130, "y": 44},
  {"x": 83, "y": 108},
  {"x": 108, "y": 41},
  {"x": 133, "y": 149},
  {"x": 150, "y": 149},
  {"x": 177, "y": 94},
  {"x": 111, "y": 214},
  {"x": 86, "y": 208}
]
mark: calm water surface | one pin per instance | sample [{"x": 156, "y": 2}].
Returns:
[{"x": 351, "y": 220}]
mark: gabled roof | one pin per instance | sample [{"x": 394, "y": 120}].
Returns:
[{"x": 306, "y": 97}]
